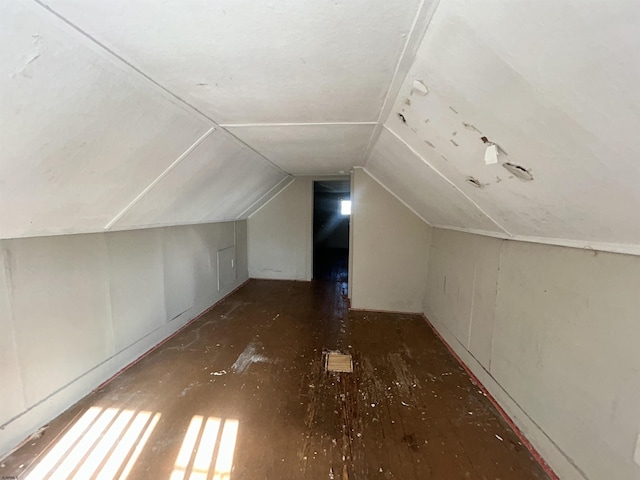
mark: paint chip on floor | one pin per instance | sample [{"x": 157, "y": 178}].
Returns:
[{"x": 338, "y": 362}]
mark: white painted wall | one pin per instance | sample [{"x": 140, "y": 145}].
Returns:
[
  {"x": 389, "y": 267},
  {"x": 280, "y": 234},
  {"x": 552, "y": 332},
  {"x": 75, "y": 309}
]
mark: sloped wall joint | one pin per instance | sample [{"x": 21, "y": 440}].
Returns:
[
  {"x": 484, "y": 212},
  {"x": 149, "y": 187}
]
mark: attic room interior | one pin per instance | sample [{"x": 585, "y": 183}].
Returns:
[{"x": 338, "y": 239}]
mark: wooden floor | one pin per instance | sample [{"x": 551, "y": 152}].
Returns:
[{"x": 242, "y": 393}]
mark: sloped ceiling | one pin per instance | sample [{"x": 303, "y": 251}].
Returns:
[
  {"x": 301, "y": 82},
  {"x": 129, "y": 114},
  {"x": 135, "y": 113},
  {"x": 554, "y": 85},
  {"x": 89, "y": 144}
]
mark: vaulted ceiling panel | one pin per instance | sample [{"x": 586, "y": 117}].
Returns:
[
  {"x": 114, "y": 113},
  {"x": 309, "y": 149},
  {"x": 438, "y": 202},
  {"x": 85, "y": 139},
  {"x": 258, "y": 62},
  {"x": 80, "y": 136},
  {"x": 218, "y": 181},
  {"x": 558, "y": 98}
]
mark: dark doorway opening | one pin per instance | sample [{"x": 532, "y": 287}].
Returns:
[{"x": 331, "y": 214}]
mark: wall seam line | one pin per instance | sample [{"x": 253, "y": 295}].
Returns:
[{"x": 158, "y": 179}]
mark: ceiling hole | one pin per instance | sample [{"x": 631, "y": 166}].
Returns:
[
  {"x": 474, "y": 181},
  {"x": 518, "y": 171},
  {"x": 401, "y": 117}
]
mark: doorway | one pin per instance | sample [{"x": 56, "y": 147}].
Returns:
[{"x": 331, "y": 215}]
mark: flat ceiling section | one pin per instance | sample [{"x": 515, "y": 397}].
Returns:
[
  {"x": 419, "y": 186},
  {"x": 309, "y": 149},
  {"x": 565, "y": 110},
  {"x": 258, "y": 62}
]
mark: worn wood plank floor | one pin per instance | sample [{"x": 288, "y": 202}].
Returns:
[{"x": 242, "y": 394}]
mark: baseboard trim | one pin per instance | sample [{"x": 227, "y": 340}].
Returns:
[
  {"x": 541, "y": 447},
  {"x": 68, "y": 395},
  {"x": 158, "y": 345},
  {"x": 356, "y": 309}
]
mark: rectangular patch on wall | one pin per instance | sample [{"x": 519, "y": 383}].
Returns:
[{"x": 226, "y": 266}]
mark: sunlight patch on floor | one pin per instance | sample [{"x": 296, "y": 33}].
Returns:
[
  {"x": 206, "y": 445},
  {"x": 103, "y": 444}
]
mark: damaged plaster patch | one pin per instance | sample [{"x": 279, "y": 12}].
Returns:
[
  {"x": 22, "y": 70},
  {"x": 33, "y": 55},
  {"x": 518, "y": 171},
  {"x": 471, "y": 127},
  {"x": 474, "y": 181}
]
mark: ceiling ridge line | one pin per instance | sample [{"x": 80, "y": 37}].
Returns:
[
  {"x": 473, "y": 202},
  {"x": 292, "y": 124},
  {"x": 416, "y": 34},
  {"x": 151, "y": 80}
]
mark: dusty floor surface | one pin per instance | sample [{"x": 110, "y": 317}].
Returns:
[{"x": 242, "y": 393}]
